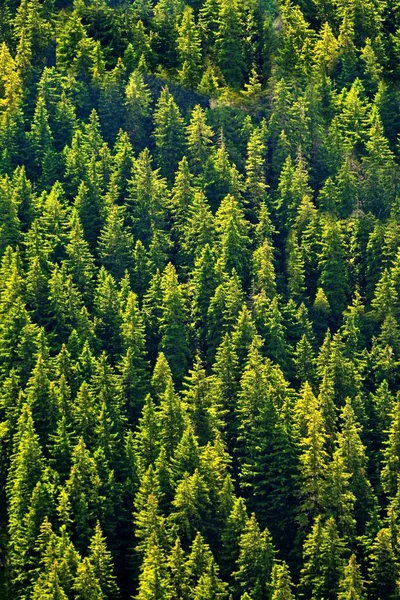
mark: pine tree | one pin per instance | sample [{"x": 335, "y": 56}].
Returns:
[
  {"x": 333, "y": 278},
  {"x": 293, "y": 189},
  {"x": 106, "y": 308},
  {"x": 90, "y": 208},
  {"x": 384, "y": 569},
  {"x": 79, "y": 259},
  {"x": 281, "y": 585},
  {"x": 223, "y": 311},
  {"x": 172, "y": 416},
  {"x": 10, "y": 223},
  {"x": 256, "y": 185},
  {"x": 231, "y": 534},
  {"x": 179, "y": 571},
  {"x": 115, "y": 244},
  {"x": 313, "y": 461},
  {"x": 255, "y": 561},
  {"x": 295, "y": 53},
  {"x": 191, "y": 506},
  {"x": 390, "y": 471},
  {"x": 40, "y": 398},
  {"x": 86, "y": 584},
  {"x": 229, "y": 43},
  {"x": 199, "y": 140},
  {"x": 189, "y": 46},
  {"x": 352, "y": 586},
  {"x": 379, "y": 164},
  {"x": 174, "y": 341},
  {"x": 203, "y": 284},
  {"x": 41, "y": 143},
  {"x": 147, "y": 198},
  {"x": 198, "y": 401},
  {"x": 199, "y": 558},
  {"x": 186, "y": 458},
  {"x": 304, "y": 360},
  {"x": 385, "y": 298},
  {"x": 353, "y": 453},
  {"x": 147, "y": 443},
  {"x": 133, "y": 366},
  {"x": 295, "y": 267},
  {"x": 198, "y": 228},
  {"x": 84, "y": 411},
  {"x": 181, "y": 197},
  {"x": 154, "y": 580},
  {"x": 323, "y": 561},
  {"x": 210, "y": 586},
  {"x": 168, "y": 133},
  {"x": 79, "y": 501},
  {"x": 224, "y": 385},
  {"x": 49, "y": 587},
  {"x": 138, "y": 98},
  {"x": 339, "y": 499},
  {"x": 147, "y": 515},
  {"x": 243, "y": 335},
  {"x": 101, "y": 561},
  {"x": 25, "y": 471},
  {"x": 232, "y": 237}
]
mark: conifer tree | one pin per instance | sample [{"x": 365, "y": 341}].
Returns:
[
  {"x": 106, "y": 305},
  {"x": 281, "y": 585},
  {"x": 147, "y": 443},
  {"x": 198, "y": 228},
  {"x": 313, "y": 462},
  {"x": 49, "y": 587},
  {"x": 26, "y": 469},
  {"x": 133, "y": 367},
  {"x": 138, "y": 98},
  {"x": 147, "y": 198},
  {"x": 333, "y": 278},
  {"x": 79, "y": 259},
  {"x": 199, "y": 140},
  {"x": 41, "y": 143},
  {"x": 389, "y": 473},
  {"x": 90, "y": 207},
  {"x": 86, "y": 584},
  {"x": 352, "y": 586},
  {"x": 173, "y": 342},
  {"x": 229, "y": 44},
  {"x": 384, "y": 569},
  {"x": 380, "y": 165},
  {"x": 198, "y": 401},
  {"x": 115, "y": 244},
  {"x": 210, "y": 586},
  {"x": 154, "y": 580},
  {"x": 79, "y": 501},
  {"x": 147, "y": 515},
  {"x": 101, "y": 561},
  {"x": 168, "y": 133},
  {"x": 255, "y": 561},
  {"x": 352, "y": 451},
  {"x": 40, "y": 397},
  {"x": 179, "y": 571},
  {"x": 256, "y": 185},
  {"x": 189, "y": 47},
  {"x": 232, "y": 532},
  {"x": 323, "y": 561}
]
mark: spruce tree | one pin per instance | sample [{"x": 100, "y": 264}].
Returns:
[
  {"x": 174, "y": 342},
  {"x": 352, "y": 586},
  {"x": 168, "y": 134}
]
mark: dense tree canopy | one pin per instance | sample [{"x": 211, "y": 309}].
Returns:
[{"x": 199, "y": 300}]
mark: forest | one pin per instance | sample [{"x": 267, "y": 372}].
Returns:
[{"x": 199, "y": 299}]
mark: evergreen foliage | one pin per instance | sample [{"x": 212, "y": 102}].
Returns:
[{"x": 199, "y": 300}]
